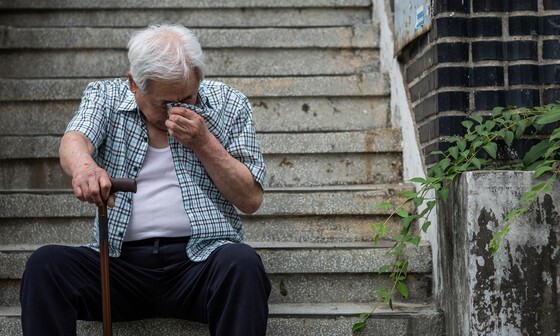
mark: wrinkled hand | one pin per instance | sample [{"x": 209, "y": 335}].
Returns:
[
  {"x": 187, "y": 127},
  {"x": 92, "y": 184}
]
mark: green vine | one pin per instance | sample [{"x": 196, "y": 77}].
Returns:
[{"x": 477, "y": 149}]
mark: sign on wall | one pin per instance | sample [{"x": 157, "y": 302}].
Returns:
[{"x": 413, "y": 18}]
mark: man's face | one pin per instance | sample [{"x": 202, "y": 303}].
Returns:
[{"x": 153, "y": 102}]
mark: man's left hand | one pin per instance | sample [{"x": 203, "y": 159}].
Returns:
[{"x": 187, "y": 127}]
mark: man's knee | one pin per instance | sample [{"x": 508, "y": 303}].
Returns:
[
  {"x": 44, "y": 258},
  {"x": 240, "y": 255}
]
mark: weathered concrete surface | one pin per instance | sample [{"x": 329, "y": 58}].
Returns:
[{"x": 516, "y": 292}]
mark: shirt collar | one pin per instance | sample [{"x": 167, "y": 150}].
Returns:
[{"x": 128, "y": 104}]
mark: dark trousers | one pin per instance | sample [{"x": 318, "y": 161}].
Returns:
[{"x": 153, "y": 278}]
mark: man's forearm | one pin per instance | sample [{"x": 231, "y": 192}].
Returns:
[
  {"x": 232, "y": 177},
  {"x": 75, "y": 150}
]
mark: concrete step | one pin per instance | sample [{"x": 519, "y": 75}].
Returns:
[
  {"x": 333, "y": 319},
  {"x": 363, "y": 35},
  {"x": 362, "y": 85},
  {"x": 43, "y": 217},
  {"x": 299, "y": 273},
  {"x": 134, "y": 4},
  {"x": 283, "y": 170},
  {"x": 192, "y": 17},
  {"x": 382, "y": 140},
  {"x": 282, "y": 229},
  {"x": 302, "y": 159},
  {"x": 303, "y": 288},
  {"x": 270, "y": 115},
  {"x": 232, "y": 62},
  {"x": 356, "y": 200}
]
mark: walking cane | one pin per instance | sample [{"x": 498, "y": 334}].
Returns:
[{"x": 116, "y": 186}]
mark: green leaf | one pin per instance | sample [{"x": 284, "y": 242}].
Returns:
[
  {"x": 476, "y": 162},
  {"x": 358, "y": 326},
  {"x": 467, "y": 124},
  {"x": 426, "y": 226},
  {"x": 386, "y": 205},
  {"x": 462, "y": 145},
  {"x": 443, "y": 194},
  {"x": 541, "y": 170},
  {"x": 408, "y": 194},
  {"x": 454, "y": 152},
  {"x": 552, "y": 150},
  {"x": 403, "y": 289},
  {"x": 555, "y": 134},
  {"x": 384, "y": 268},
  {"x": 477, "y": 118},
  {"x": 490, "y": 124},
  {"x": 536, "y": 152},
  {"x": 402, "y": 213},
  {"x": 418, "y": 180},
  {"x": 548, "y": 118},
  {"x": 508, "y": 137},
  {"x": 491, "y": 148}
]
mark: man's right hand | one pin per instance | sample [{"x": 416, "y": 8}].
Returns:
[{"x": 90, "y": 182}]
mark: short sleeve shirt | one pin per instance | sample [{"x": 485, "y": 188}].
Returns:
[{"x": 109, "y": 117}]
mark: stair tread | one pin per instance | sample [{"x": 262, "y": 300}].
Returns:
[
  {"x": 274, "y": 245},
  {"x": 111, "y": 4},
  {"x": 315, "y": 309}
]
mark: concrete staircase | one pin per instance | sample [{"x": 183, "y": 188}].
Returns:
[{"x": 310, "y": 68}]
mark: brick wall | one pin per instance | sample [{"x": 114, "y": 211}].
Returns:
[{"x": 478, "y": 55}]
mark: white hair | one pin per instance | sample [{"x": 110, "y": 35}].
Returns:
[{"x": 164, "y": 52}]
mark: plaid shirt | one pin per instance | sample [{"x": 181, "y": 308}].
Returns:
[{"x": 108, "y": 116}]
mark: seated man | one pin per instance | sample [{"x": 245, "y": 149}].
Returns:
[{"x": 176, "y": 245}]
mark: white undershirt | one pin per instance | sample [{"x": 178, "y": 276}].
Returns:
[{"x": 157, "y": 206}]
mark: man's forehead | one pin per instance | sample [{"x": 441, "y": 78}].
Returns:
[{"x": 173, "y": 89}]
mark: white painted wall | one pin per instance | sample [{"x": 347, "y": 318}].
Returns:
[{"x": 401, "y": 117}]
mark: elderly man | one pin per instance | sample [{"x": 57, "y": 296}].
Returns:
[{"x": 176, "y": 245}]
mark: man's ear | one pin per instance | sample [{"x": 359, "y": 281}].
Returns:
[{"x": 133, "y": 86}]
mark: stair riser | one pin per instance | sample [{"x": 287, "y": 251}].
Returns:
[
  {"x": 365, "y": 85},
  {"x": 285, "y": 261},
  {"x": 359, "y": 36},
  {"x": 283, "y": 171},
  {"x": 300, "y": 288},
  {"x": 270, "y": 115},
  {"x": 311, "y": 229},
  {"x": 238, "y": 62},
  {"x": 276, "y": 203},
  {"x": 191, "y": 17},
  {"x": 364, "y": 142},
  {"x": 428, "y": 324}
]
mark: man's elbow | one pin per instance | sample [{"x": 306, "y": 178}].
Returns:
[{"x": 252, "y": 204}]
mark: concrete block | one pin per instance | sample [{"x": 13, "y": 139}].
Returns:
[{"x": 516, "y": 291}]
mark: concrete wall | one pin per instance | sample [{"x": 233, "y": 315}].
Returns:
[{"x": 516, "y": 292}]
